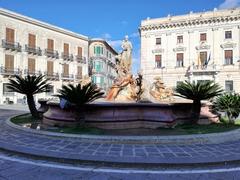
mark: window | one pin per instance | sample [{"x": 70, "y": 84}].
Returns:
[
  {"x": 65, "y": 69},
  {"x": 158, "y": 41},
  {"x": 31, "y": 40},
  {"x": 228, "y": 34},
  {"x": 98, "y": 66},
  {"x": 49, "y": 67},
  {"x": 102, "y": 80},
  {"x": 31, "y": 65},
  {"x": 6, "y": 90},
  {"x": 50, "y": 45},
  {"x": 179, "y": 39},
  {"x": 158, "y": 61},
  {"x": 228, "y": 57},
  {"x": 94, "y": 79},
  {"x": 98, "y": 50},
  {"x": 179, "y": 60},
  {"x": 79, "y": 72},
  {"x": 65, "y": 48},
  {"x": 9, "y": 63},
  {"x": 203, "y": 58},
  {"x": 10, "y": 35},
  {"x": 80, "y": 51},
  {"x": 203, "y": 37},
  {"x": 229, "y": 86}
]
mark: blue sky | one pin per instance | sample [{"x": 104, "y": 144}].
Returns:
[{"x": 109, "y": 19}]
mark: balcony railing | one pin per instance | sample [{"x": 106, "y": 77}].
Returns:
[
  {"x": 9, "y": 71},
  {"x": 78, "y": 76},
  {"x": 67, "y": 77},
  {"x": 67, "y": 57},
  {"x": 110, "y": 63},
  {"x": 14, "y": 46},
  {"x": 52, "y": 75},
  {"x": 32, "y": 72},
  {"x": 81, "y": 59},
  {"x": 51, "y": 53},
  {"x": 33, "y": 50}
]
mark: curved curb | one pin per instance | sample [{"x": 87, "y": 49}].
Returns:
[{"x": 211, "y": 138}]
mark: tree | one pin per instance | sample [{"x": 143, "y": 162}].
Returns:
[
  {"x": 202, "y": 90},
  {"x": 29, "y": 85},
  {"x": 79, "y": 95},
  {"x": 228, "y": 103}
]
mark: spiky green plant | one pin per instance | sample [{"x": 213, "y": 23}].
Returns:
[
  {"x": 228, "y": 103},
  {"x": 80, "y": 94},
  {"x": 29, "y": 86},
  {"x": 202, "y": 90}
]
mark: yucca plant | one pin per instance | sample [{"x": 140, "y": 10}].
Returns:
[
  {"x": 228, "y": 103},
  {"x": 29, "y": 86},
  {"x": 202, "y": 90},
  {"x": 79, "y": 95}
]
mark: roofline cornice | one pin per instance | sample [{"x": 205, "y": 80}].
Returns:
[{"x": 14, "y": 15}]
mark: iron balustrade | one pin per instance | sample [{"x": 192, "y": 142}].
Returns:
[
  {"x": 51, "y": 53},
  {"x": 33, "y": 50},
  {"x": 67, "y": 57},
  {"x": 81, "y": 59},
  {"x": 14, "y": 46},
  {"x": 9, "y": 71}
]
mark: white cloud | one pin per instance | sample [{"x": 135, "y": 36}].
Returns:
[
  {"x": 229, "y": 4},
  {"x": 106, "y": 36}
]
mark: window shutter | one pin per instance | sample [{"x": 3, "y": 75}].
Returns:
[
  {"x": 31, "y": 65},
  {"x": 32, "y": 40},
  {"x": 179, "y": 56},
  {"x": 158, "y": 57},
  {"x": 9, "y": 62},
  {"x": 66, "y": 48},
  {"x": 79, "y": 72},
  {"x": 10, "y": 35},
  {"x": 50, "y": 44},
  {"x": 50, "y": 67},
  {"x": 80, "y": 51},
  {"x": 228, "y": 54},
  {"x": 203, "y": 37},
  {"x": 65, "y": 69}
]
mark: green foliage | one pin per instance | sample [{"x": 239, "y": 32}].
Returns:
[
  {"x": 202, "y": 90},
  {"x": 28, "y": 85},
  {"x": 79, "y": 95},
  {"x": 228, "y": 103}
]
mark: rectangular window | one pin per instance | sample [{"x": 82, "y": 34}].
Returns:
[
  {"x": 102, "y": 80},
  {"x": 228, "y": 57},
  {"x": 10, "y": 35},
  {"x": 228, "y": 34},
  {"x": 179, "y": 39},
  {"x": 158, "y": 41},
  {"x": 94, "y": 79},
  {"x": 31, "y": 40},
  {"x": 203, "y": 37},
  {"x": 80, "y": 51},
  {"x": 98, "y": 66},
  {"x": 50, "y": 67},
  {"x": 9, "y": 63},
  {"x": 79, "y": 72},
  {"x": 229, "y": 86},
  {"x": 65, "y": 69},
  {"x": 158, "y": 61},
  {"x": 179, "y": 60},
  {"x": 203, "y": 58},
  {"x": 31, "y": 65},
  {"x": 50, "y": 45},
  {"x": 98, "y": 50},
  {"x": 65, "y": 48}
]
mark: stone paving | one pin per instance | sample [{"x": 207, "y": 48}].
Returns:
[{"x": 96, "y": 150}]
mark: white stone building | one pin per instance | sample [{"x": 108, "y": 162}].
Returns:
[
  {"x": 195, "y": 46},
  {"x": 102, "y": 63},
  {"x": 29, "y": 46}
]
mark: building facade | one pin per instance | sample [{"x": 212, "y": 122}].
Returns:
[
  {"x": 195, "y": 47},
  {"x": 29, "y": 46},
  {"x": 102, "y": 63}
]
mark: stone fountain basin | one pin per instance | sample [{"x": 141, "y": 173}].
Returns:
[{"x": 106, "y": 115}]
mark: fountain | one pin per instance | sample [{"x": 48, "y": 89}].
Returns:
[{"x": 130, "y": 103}]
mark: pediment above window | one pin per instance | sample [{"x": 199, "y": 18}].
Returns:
[
  {"x": 158, "y": 50},
  {"x": 228, "y": 45},
  {"x": 179, "y": 49},
  {"x": 203, "y": 46}
]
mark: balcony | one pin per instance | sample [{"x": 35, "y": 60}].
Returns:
[
  {"x": 67, "y": 57},
  {"x": 81, "y": 59},
  {"x": 78, "y": 76},
  {"x": 33, "y": 50},
  {"x": 52, "y": 75},
  {"x": 67, "y": 77},
  {"x": 110, "y": 63},
  {"x": 203, "y": 70},
  {"x": 9, "y": 71},
  {"x": 14, "y": 46},
  {"x": 51, "y": 53},
  {"x": 32, "y": 72},
  {"x": 111, "y": 76}
]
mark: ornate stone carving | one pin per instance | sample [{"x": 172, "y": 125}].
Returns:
[
  {"x": 158, "y": 50},
  {"x": 203, "y": 46},
  {"x": 179, "y": 48},
  {"x": 228, "y": 45}
]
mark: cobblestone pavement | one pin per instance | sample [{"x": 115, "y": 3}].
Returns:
[{"x": 12, "y": 167}]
